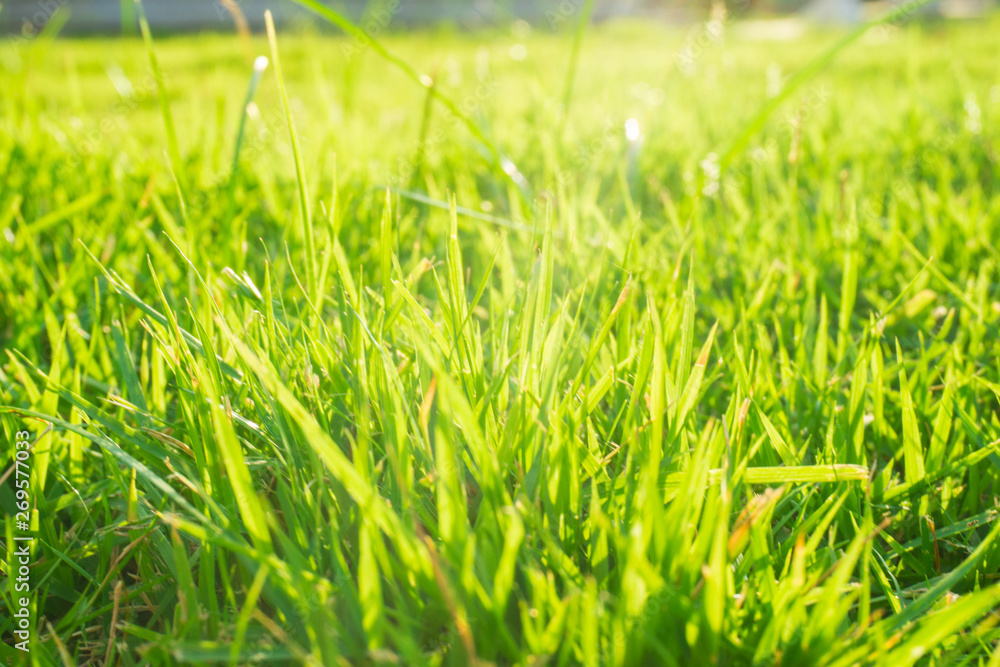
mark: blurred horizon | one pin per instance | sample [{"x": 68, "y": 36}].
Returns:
[{"x": 24, "y": 18}]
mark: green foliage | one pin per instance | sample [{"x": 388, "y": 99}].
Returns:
[{"x": 647, "y": 416}]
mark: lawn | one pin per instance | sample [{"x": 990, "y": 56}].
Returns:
[{"x": 501, "y": 355}]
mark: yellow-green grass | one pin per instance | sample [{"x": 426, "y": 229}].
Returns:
[{"x": 597, "y": 409}]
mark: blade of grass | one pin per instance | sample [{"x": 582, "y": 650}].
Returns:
[
  {"x": 173, "y": 151},
  {"x": 300, "y": 172}
]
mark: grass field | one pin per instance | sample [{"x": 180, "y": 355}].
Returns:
[{"x": 611, "y": 374}]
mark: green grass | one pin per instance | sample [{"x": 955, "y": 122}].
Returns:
[{"x": 597, "y": 408}]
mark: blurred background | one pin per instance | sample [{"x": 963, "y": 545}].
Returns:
[{"x": 114, "y": 16}]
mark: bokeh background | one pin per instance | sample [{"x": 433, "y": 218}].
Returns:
[{"x": 114, "y": 16}]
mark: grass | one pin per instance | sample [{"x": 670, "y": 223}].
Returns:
[{"x": 402, "y": 386}]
